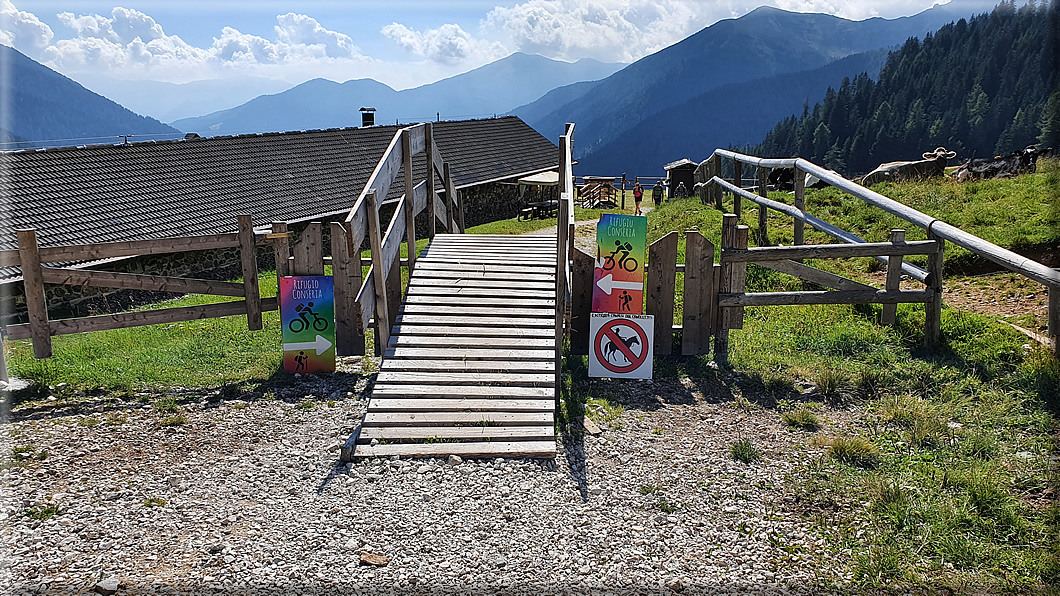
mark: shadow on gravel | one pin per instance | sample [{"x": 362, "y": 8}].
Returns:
[{"x": 571, "y": 431}]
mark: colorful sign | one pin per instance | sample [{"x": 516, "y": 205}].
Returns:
[
  {"x": 307, "y": 308},
  {"x": 618, "y": 280},
  {"x": 621, "y": 346}
]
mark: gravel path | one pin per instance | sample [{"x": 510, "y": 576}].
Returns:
[{"x": 250, "y": 497}]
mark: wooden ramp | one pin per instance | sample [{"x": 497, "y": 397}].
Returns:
[{"x": 470, "y": 369}]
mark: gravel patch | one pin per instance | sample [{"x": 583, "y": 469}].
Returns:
[{"x": 251, "y": 497}]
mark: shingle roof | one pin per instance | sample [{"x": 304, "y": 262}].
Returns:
[{"x": 198, "y": 185}]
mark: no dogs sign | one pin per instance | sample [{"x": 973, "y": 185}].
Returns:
[{"x": 621, "y": 347}]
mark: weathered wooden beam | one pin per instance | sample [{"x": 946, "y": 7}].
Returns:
[
  {"x": 825, "y": 297},
  {"x": 349, "y": 339},
  {"x": 409, "y": 203},
  {"x": 281, "y": 249},
  {"x": 131, "y": 281},
  {"x": 933, "y": 307},
  {"x": 378, "y": 272},
  {"x": 33, "y": 283},
  {"x": 308, "y": 251},
  {"x": 248, "y": 258},
  {"x": 894, "y": 280},
  {"x": 661, "y": 283},
  {"x": 830, "y": 251},
  {"x": 697, "y": 322},
  {"x": 812, "y": 275},
  {"x": 581, "y": 301},
  {"x": 432, "y": 223},
  {"x": 134, "y": 248}
]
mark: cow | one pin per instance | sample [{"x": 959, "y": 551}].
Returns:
[
  {"x": 784, "y": 179},
  {"x": 933, "y": 165},
  {"x": 1019, "y": 162}
]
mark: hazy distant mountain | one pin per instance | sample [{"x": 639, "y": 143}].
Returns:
[
  {"x": 761, "y": 44},
  {"x": 44, "y": 108},
  {"x": 171, "y": 101},
  {"x": 492, "y": 89}
]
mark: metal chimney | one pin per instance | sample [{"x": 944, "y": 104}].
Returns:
[{"x": 367, "y": 116}]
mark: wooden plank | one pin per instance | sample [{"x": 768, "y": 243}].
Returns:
[
  {"x": 721, "y": 331},
  {"x": 699, "y": 276},
  {"x": 739, "y": 280},
  {"x": 894, "y": 280},
  {"x": 763, "y": 211},
  {"x": 480, "y": 283},
  {"x": 140, "y": 318},
  {"x": 478, "y": 391},
  {"x": 410, "y": 203},
  {"x": 463, "y": 352},
  {"x": 1054, "y": 319},
  {"x": 933, "y": 306},
  {"x": 154, "y": 246},
  {"x": 349, "y": 339},
  {"x": 471, "y": 274},
  {"x": 396, "y": 364},
  {"x": 281, "y": 249},
  {"x": 366, "y": 300},
  {"x": 467, "y": 418},
  {"x": 248, "y": 257},
  {"x": 529, "y": 449},
  {"x": 9, "y": 258},
  {"x": 502, "y": 311},
  {"x": 471, "y": 341},
  {"x": 661, "y": 283},
  {"x": 132, "y": 281},
  {"x": 308, "y": 252},
  {"x": 382, "y": 176},
  {"x": 477, "y": 321},
  {"x": 36, "y": 302},
  {"x": 393, "y": 291},
  {"x": 391, "y": 242},
  {"x": 424, "y": 264},
  {"x": 458, "y": 432},
  {"x": 378, "y": 273},
  {"x": 824, "y": 278},
  {"x": 462, "y": 378},
  {"x": 581, "y": 301},
  {"x": 478, "y": 291},
  {"x": 800, "y": 204},
  {"x": 831, "y": 251},
  {"x": 450, "y": 199},
  {"x": 836, "y": 297},
  {"x": 410, "y": 330},
  {"x": 477, "y": 301}
]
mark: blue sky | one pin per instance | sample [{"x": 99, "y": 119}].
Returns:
[{"x": 403, "y": 43}]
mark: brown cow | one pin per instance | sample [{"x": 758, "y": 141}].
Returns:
[{"x": 933, "y": 165}]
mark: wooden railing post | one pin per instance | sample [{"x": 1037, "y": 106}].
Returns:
[
  {"x": 894, "y": 279},
  {"x": 763, "y": 211},
  {"x": 738, "y": 183},
  {"x": 697, "y": 319},
  {"x": 1054, "y": 319},
  {"x": 281, "y": 248},
  {"x": 410, "y": 202},
  {"x": 308, "y": 252},
  {"x": 581, "y": 301},
  {"x": 561, "y": 288},
  {"x": 450, "y": 198},
  {"x": 460, "y": 210},
  {"x": 662, "y": 275},
  {"x": 933, "y": 308},
  {"x": 721, "y": 331},
  {"x": 347, "y": 277},
  {"x": 382, "y": 315},
  {"x": 249, "y": 260},
  {"x": 800, "y": 204},
  {"x": 36, "y": 304},
  {"x": 432, "y": 224}
]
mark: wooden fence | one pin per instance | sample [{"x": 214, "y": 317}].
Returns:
[{"x": 355, "y": 294}]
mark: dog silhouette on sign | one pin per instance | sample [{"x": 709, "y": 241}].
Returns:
[{"x": 610, "y": 349}]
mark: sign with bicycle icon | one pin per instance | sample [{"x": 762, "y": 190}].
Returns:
[
  {"x": 618, "y": 279},
  {"x": 307, "y": 310}
]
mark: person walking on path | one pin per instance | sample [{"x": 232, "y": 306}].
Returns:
[
  {"x": 682, "y": 192},
  {"x": 638, "y": 196},
  {"x": 657, "y": 193}
]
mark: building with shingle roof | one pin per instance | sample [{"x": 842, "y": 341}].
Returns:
[{"x": 198, "y": 185}]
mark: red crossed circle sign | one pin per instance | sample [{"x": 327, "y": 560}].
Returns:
[{"x": 607, "y": 331}]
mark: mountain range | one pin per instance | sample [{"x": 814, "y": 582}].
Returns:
[{"x": 483, "y": 92}]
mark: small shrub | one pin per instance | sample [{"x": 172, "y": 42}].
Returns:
[
  {"x": 855, "y": 451},
  {"x": 88, "y": 421},
  {"x": 647, "y": 489},
  {"x": 745, "y": 452},
  {"x": 177, "y": 420},
  {"x": 306, "y": 405},
  {"x": 166, "y": 404},
  {"x": 802, "y": 418},
  {"x": 979, "y": 445},
  {"x": 42, "y": 513},
  {"x": 668, "y": 507},
  {"x": 155, "y": 502},
  {"x": 116, "y": 419}
]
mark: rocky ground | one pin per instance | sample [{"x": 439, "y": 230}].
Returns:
[{"x": 249, "y": 496}]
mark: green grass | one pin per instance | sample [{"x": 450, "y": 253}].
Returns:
[
  {"x": 43, "y": 512},
  {"x": 744, "y": 451},
  {"x": 801, "y": 418}
]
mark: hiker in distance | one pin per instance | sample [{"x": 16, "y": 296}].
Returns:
[
  {"x": 638, "y": 196},
  {"x": 657, "y": 193}
]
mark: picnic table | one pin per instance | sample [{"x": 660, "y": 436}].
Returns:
[{"x": 539, "y": 210}]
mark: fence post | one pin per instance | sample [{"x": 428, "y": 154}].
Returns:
[
  {"x": 308, "y": 253},
  {"x": 3, "y": 361},
  {"x": 1054, "y": 319},
  {"x": 737, "y": 181},
  {"x": 581, "y": 301},
  {"x": 763, "y": 211},
  {"x": 410, "y": 202},
  {"x": 894, "y": 279},
  {"x": 281, "y": 249},
  {"x": 718, "y": 198},
  {"x": 432, "y": 224},
  {"x": 450, "y": 198},
  {"x": 36, "y": 304},
  {"x": 933, "y": 308},
  {"x": 697, "y": 322},
  {"x": 347, "y": 277},
  {"x": 662, "y": 273},
  {"x": 249, "y": 259},
  {"x": 382, "y": 316},
  {"x": 734, "y": 316},
  {"x": 800, "y": 204},
  {"x": 460, "y": 211},
  {"x": 721, "y": 332}
]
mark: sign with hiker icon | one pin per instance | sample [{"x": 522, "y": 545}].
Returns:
[
  {"x": 618, "y": 278},
  {"x": 307, "y": 310}
]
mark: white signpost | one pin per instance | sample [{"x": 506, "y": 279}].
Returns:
[{"x": 621, "y": 345}]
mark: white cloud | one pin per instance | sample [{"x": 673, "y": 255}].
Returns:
[
  {"x": 448, "y": 44},
  {"x": 301, "y": 30},
  {"x": 23, "y": 30}
]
